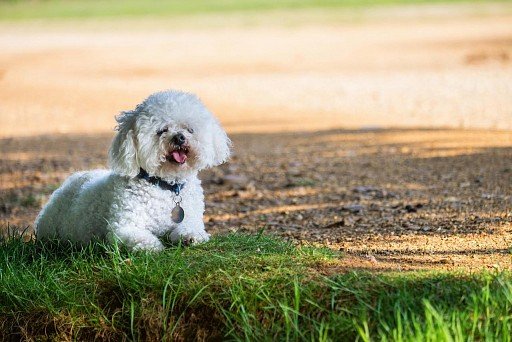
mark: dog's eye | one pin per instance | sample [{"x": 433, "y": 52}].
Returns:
[
  {"x": 162, "y": 131},
  {"x": 190, "y": 130}
]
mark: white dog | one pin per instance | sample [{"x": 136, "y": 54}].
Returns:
[{"x": 152, "y": 191}]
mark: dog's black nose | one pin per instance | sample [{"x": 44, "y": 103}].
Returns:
[{"x": 179, "y": 139}]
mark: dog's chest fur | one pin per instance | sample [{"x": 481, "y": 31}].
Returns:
[{"x": 153, "y": 205}]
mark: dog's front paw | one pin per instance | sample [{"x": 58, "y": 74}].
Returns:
[
  {"x": 192, "y": 239},
  {"x": 189, "y": 239},
  {"x": 150, "y": 247}
]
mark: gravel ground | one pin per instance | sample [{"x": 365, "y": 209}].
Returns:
[{"x": 391, "y": 199}]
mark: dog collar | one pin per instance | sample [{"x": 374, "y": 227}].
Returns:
[{"x": 173, "y": 186}]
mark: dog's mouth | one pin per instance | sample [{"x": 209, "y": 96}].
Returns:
[{"x": 178, "y": 155}]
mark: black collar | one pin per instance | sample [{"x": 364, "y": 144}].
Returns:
[{"x": 174, "y": 186}]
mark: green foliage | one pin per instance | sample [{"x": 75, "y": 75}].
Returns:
[
  {"x": 25, "y": 9},
  {"x": 241, "y": 287},
  {"x": 23, "y": 200}
]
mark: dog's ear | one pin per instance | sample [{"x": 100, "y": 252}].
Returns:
[
  {"x": 221, "y": 144},
  {"x": 122, "y": 155}
]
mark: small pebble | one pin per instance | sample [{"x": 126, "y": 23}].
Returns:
[{"x": 353, "y": 208}]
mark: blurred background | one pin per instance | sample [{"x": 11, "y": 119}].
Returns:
[
  {"x": 261, "y": 65},
  {"x": 359, "y": 124}
]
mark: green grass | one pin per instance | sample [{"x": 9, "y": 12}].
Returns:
[
  {"x": 23, "y": 200},
  {"x": 238, "y": 287},
  {"x": 38, "y": 9}
]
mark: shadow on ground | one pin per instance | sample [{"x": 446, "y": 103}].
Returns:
[{"x": 347, "y": 189}]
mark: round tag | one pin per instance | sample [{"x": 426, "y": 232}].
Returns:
[{"x": 177, "y": 214}]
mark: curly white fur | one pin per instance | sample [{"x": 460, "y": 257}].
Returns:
[{"x": 117, "y": 205}]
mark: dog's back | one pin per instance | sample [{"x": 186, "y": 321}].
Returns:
[{"x": 63, "y": 216}]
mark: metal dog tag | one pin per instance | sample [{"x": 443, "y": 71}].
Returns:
[{"x": 177, "y": 214}]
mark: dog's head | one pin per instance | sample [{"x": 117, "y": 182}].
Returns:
[{"x": 171, "y": 135}]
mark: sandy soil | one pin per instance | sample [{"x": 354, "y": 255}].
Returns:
[
  {"x": 391, "y": 199},
  {"x": 305, "y": 106},
  {"x": 444, "y": 70}
]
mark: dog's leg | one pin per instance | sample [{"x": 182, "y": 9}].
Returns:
[{"x": 138, "y": 239}]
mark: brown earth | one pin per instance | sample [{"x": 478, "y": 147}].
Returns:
[{"x": 392, "y": 199}]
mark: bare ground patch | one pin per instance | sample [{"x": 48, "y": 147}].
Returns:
[{"x": 390, "y": 199}]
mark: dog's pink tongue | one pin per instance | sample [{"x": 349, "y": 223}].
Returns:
[{"x": 179, "y": 156}]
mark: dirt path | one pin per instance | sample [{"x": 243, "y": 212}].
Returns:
[
  {"x": 445, "y": 70},
  {"x": 392, "y": 199}
]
